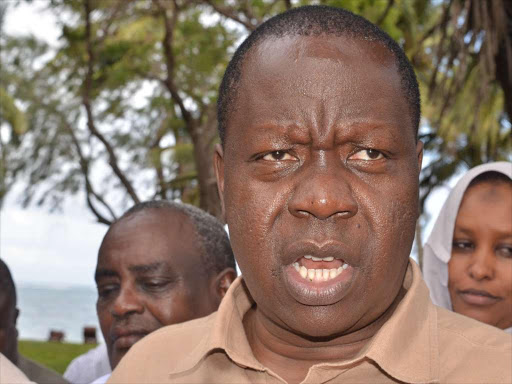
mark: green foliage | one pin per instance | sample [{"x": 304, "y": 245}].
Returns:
[
  {"x": 11, "y": 114},
  {"x": 56, "y": 356}
]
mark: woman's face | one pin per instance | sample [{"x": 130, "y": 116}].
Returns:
[{"x": 480, "y": 269}]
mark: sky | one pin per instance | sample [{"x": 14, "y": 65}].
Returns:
[{"x": 60, "y": 249}]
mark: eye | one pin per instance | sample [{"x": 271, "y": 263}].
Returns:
[
  {"x": 462, "y": 245},
  {"x": 368, "y": 154},
  {"x": 504, "y": 251},
  {"x": 155, "y": 285},
  {"x": 278, "y": 156},
  {"x": 105, "y": 291}
]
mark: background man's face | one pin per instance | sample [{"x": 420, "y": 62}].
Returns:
[
  {"x": 8, "y": 331},
  {"x": 149, "y": 275},
  {"x": 298, "y": 180}
]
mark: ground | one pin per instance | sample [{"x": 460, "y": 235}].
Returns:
[{"x": 53, "y": 355}]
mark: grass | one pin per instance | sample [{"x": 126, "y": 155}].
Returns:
[{"x": 56, "y": 356}]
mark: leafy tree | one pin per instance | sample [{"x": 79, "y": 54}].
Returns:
[{"x": 109, "y": 51}]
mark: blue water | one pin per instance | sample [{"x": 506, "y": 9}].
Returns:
[{"x": 68, "y": 309}]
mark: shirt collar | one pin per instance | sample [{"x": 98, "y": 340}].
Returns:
[{"x": 405, "y": 347}]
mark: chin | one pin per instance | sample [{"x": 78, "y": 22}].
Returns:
[{"x": 316, "y": 323}]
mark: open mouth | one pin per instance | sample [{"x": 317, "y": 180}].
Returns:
[
  {"x": 314, "y": 280},
  {"x": 319, "y": 269}
]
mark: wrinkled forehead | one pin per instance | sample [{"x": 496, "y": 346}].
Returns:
[
  {"x": 312, "y": 77},
  {"x": 335, "y": 50},
  {"x": 317, "y": 65}
]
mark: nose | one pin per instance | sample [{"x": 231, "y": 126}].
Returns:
[
  {"x": 323, "y": 192},
  {"x": 126, "y": 303},
  {"x": 482, "y": 264}
]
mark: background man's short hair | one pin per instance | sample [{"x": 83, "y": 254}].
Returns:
[
  {"x": 217, "y": 252},
  {"x": 6, "y": 282},
  {"x": 315, "y": 21}
]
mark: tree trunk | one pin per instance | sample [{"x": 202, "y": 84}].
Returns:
[{"x": 203, "y": 155}]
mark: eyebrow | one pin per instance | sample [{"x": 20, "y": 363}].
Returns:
[
  {"x": 464, "y": 230},
  {"x": 146, "y": 268},
  {"x": 100, "y": 273},
  {"x": 469, "y": 232}
]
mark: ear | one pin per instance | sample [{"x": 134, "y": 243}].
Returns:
[
  {"x": 419, "y": 153},
  {"x": 16, "y": 314},
  {"x": 218, "y": 164},
  {"x": 222, "y": 282}
]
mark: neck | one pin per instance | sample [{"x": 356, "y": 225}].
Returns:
[{"x": 291, "y": 355}]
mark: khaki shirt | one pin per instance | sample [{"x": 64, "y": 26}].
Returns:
[{"x": 420, "y": 343}]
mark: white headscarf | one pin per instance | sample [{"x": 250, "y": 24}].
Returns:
[{"x": 438, "y": 248}]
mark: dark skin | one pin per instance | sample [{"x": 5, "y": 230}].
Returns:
[
  {"x": 150, "y": 275},
  {"x": 8, "y": 331},
  {"x": 320, "y": 158}
]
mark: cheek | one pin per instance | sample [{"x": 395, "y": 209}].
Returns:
[
  {"x": 104, "y": 318},
  {"x": 252, "y": 210},
  {"x": 456, "y": 270},
  {"x": 504, "y": 276},
  {"x": 391, "y": 225},
  {"x": 176, "y": 307}
]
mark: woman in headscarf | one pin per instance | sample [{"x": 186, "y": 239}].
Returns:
[{"x": 468, "y": 257}]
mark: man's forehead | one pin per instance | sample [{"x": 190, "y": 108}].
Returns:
[
  {"x": 318, "y": 67},
  {"x": 161, "y": 222},
  {"x": 149, "y": 238},
  {"x": 334, "y": 78},
  {"x": 324, "y": 46}
]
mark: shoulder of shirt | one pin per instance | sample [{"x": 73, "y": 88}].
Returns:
[
  {"x": 164, "y": 350},
  {"x": 190, "y": 332},
  {"x": 471, "y": 351},
  {"x": 472, "y": 332}
]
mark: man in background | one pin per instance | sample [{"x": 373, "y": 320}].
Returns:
[
  {"x": 161, "y": 263},
  {"x": 9, "y": 335}
]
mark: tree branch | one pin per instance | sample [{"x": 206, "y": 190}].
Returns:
[
  {"x": 87, "y": 105},
  {"x": 169, "y": 24},
  {"x": 386, "y": 11},
  {"x": 84, "y": 166},
  {"x": 155, "y": 147},
  {"x": 110, "y": 21},
  {"x": 230, "y": 14}
]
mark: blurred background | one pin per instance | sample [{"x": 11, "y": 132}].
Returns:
[{"x": 105, "y": 103}]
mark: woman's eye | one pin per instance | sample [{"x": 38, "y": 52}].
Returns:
[
  {"x": 462, "y": 245},
  {"x": 278, "y": 156},
  {"x": 367, "y": 155},
  {"x": 504, "y": 251}
]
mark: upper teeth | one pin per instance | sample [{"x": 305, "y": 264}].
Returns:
[
  {"x": 330, "y": 258},
  {"x": 319, "y": 274}
]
